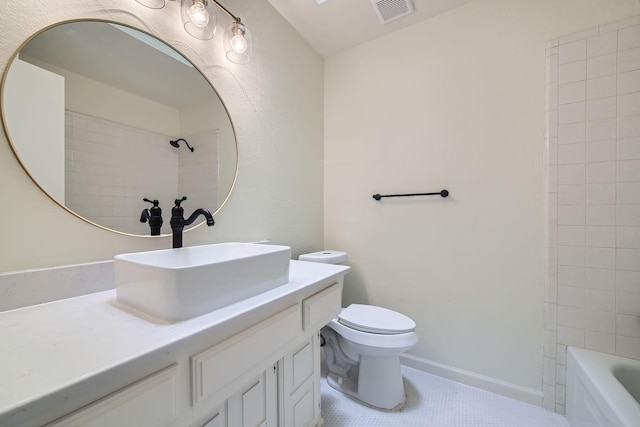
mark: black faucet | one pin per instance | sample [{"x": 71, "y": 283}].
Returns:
[
  {"x": 154, "y": 216},
  {"x": 178, "y": 222}
]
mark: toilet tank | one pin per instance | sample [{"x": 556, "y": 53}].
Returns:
[{"x": 326, "y": 257}]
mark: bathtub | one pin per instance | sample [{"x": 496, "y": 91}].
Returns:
[{"x": 602, "y": 390}]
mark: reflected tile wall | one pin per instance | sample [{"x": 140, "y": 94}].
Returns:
[
  {"x": 111, "y": 167},
  {"x": 198, "y": 172},
  {"x": 592, "y": 154}
]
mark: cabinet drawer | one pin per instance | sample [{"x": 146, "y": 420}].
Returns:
[
  {"x": 216, "y": 367},
  {"x": 319, "y": 309},
  {"x": 150, "y": 402}
]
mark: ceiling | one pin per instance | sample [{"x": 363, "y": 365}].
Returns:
[
  {"x": 146, "y": 67},
  {"x": 338, "y": 25},
  {"x": 330, "y": 27}
]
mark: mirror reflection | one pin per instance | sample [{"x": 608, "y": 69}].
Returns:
[{"x": 103, "y": 116}]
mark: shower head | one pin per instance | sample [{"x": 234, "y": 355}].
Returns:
[{"x": 176, "y": 143}]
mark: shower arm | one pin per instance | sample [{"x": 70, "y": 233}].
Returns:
[{"x": 176, "y": 143}]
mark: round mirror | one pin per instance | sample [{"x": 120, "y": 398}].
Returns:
[{"x": 102, "y": 116}]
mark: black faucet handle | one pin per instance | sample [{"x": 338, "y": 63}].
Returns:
[
  {"x": 153, "y": 215},
  {"x": 178, "y": 201},
  {"x": 145, "y": 215}
]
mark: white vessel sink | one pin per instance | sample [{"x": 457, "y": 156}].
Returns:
[{"x": 178, "y": 284}]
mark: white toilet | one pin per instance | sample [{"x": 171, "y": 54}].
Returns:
[{"x": 363, "y": 346}]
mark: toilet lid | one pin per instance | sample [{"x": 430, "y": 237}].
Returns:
[{"x": 377, "y": 320}]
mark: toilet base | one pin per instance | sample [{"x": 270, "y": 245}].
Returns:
[{"x": 379, "y": 383}]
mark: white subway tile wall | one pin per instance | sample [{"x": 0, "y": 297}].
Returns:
[
  {"x": 111, "y": 167},
  {"x": 198, "y": 177},
  {"x": 592, "y": 297}
]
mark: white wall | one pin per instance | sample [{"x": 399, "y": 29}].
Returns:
[
  {"x": 593, "y": 191},
  {"x": 455, "y": 102},
  {"x": 275, "y": 103},
  {"x": 94, "y": 98},
  {"x": 197, "y": 175},
  {"x": 210, "y": 121},
  {"x": 37, "y": 95}
]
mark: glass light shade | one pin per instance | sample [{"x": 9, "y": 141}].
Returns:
[
  {"x": 199, "y": 15},
  {"x": 199, "y": 18},
  {"x": 152, "y": 4},
  {"x": 238, "y": 43}
]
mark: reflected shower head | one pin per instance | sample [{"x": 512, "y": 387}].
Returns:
[{"x": 176, "y": 144}]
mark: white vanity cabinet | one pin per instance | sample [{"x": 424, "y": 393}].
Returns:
[
  {"x": 266, "y": 375},
  {"x": 225, "y": 364},
  {"x": 218, "y": 419},
  {"x": 254, "y": 405},
  {"x": 300, "y": 368},
  {"x": 300, "y": 385},
  {"x": 150, "y": 402},
  {"x": 286, "y": 394}
]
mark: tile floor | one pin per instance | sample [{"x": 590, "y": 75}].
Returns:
[{"x": 437, "y": 402}]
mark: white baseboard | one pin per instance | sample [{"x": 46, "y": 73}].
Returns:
[{"x": 524, "y": 394}]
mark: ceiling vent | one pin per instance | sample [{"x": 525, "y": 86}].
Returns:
[{"x": 388, "y": 10}]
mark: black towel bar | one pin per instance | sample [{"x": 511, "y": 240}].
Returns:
[{"x": 443, "y": 193}]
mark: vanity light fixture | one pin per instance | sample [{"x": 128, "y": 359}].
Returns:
[
  {"x": 236, "y": 45},
  {"x": 152, "y": 4},
  {"x": 199, "y": 18},
  {"x": 198, "y": 13}
]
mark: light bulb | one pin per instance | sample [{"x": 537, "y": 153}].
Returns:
[
  {"x": 199, "y": 15},
  {"x": 239, "y": 44}
]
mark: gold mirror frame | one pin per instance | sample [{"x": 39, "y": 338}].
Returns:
[{"x": 15, "y": 149}]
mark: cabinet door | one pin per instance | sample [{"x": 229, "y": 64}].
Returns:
[
  {"x": 218, "y": 419},
  {"x": 301, "y": 385},
  {"x": 256, "y": 404}
]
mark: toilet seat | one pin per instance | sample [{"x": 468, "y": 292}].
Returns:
[
  {"x": 376, "y": 320},
  {"x": 378, "y": 342}
]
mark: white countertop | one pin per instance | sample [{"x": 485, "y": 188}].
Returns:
[{"x": 50, "y": 347}]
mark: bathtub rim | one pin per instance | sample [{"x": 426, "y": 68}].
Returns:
[{"x": 595, "y": 371}]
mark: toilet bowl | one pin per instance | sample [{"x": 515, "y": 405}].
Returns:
[{"x": 362, "y": 347}]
